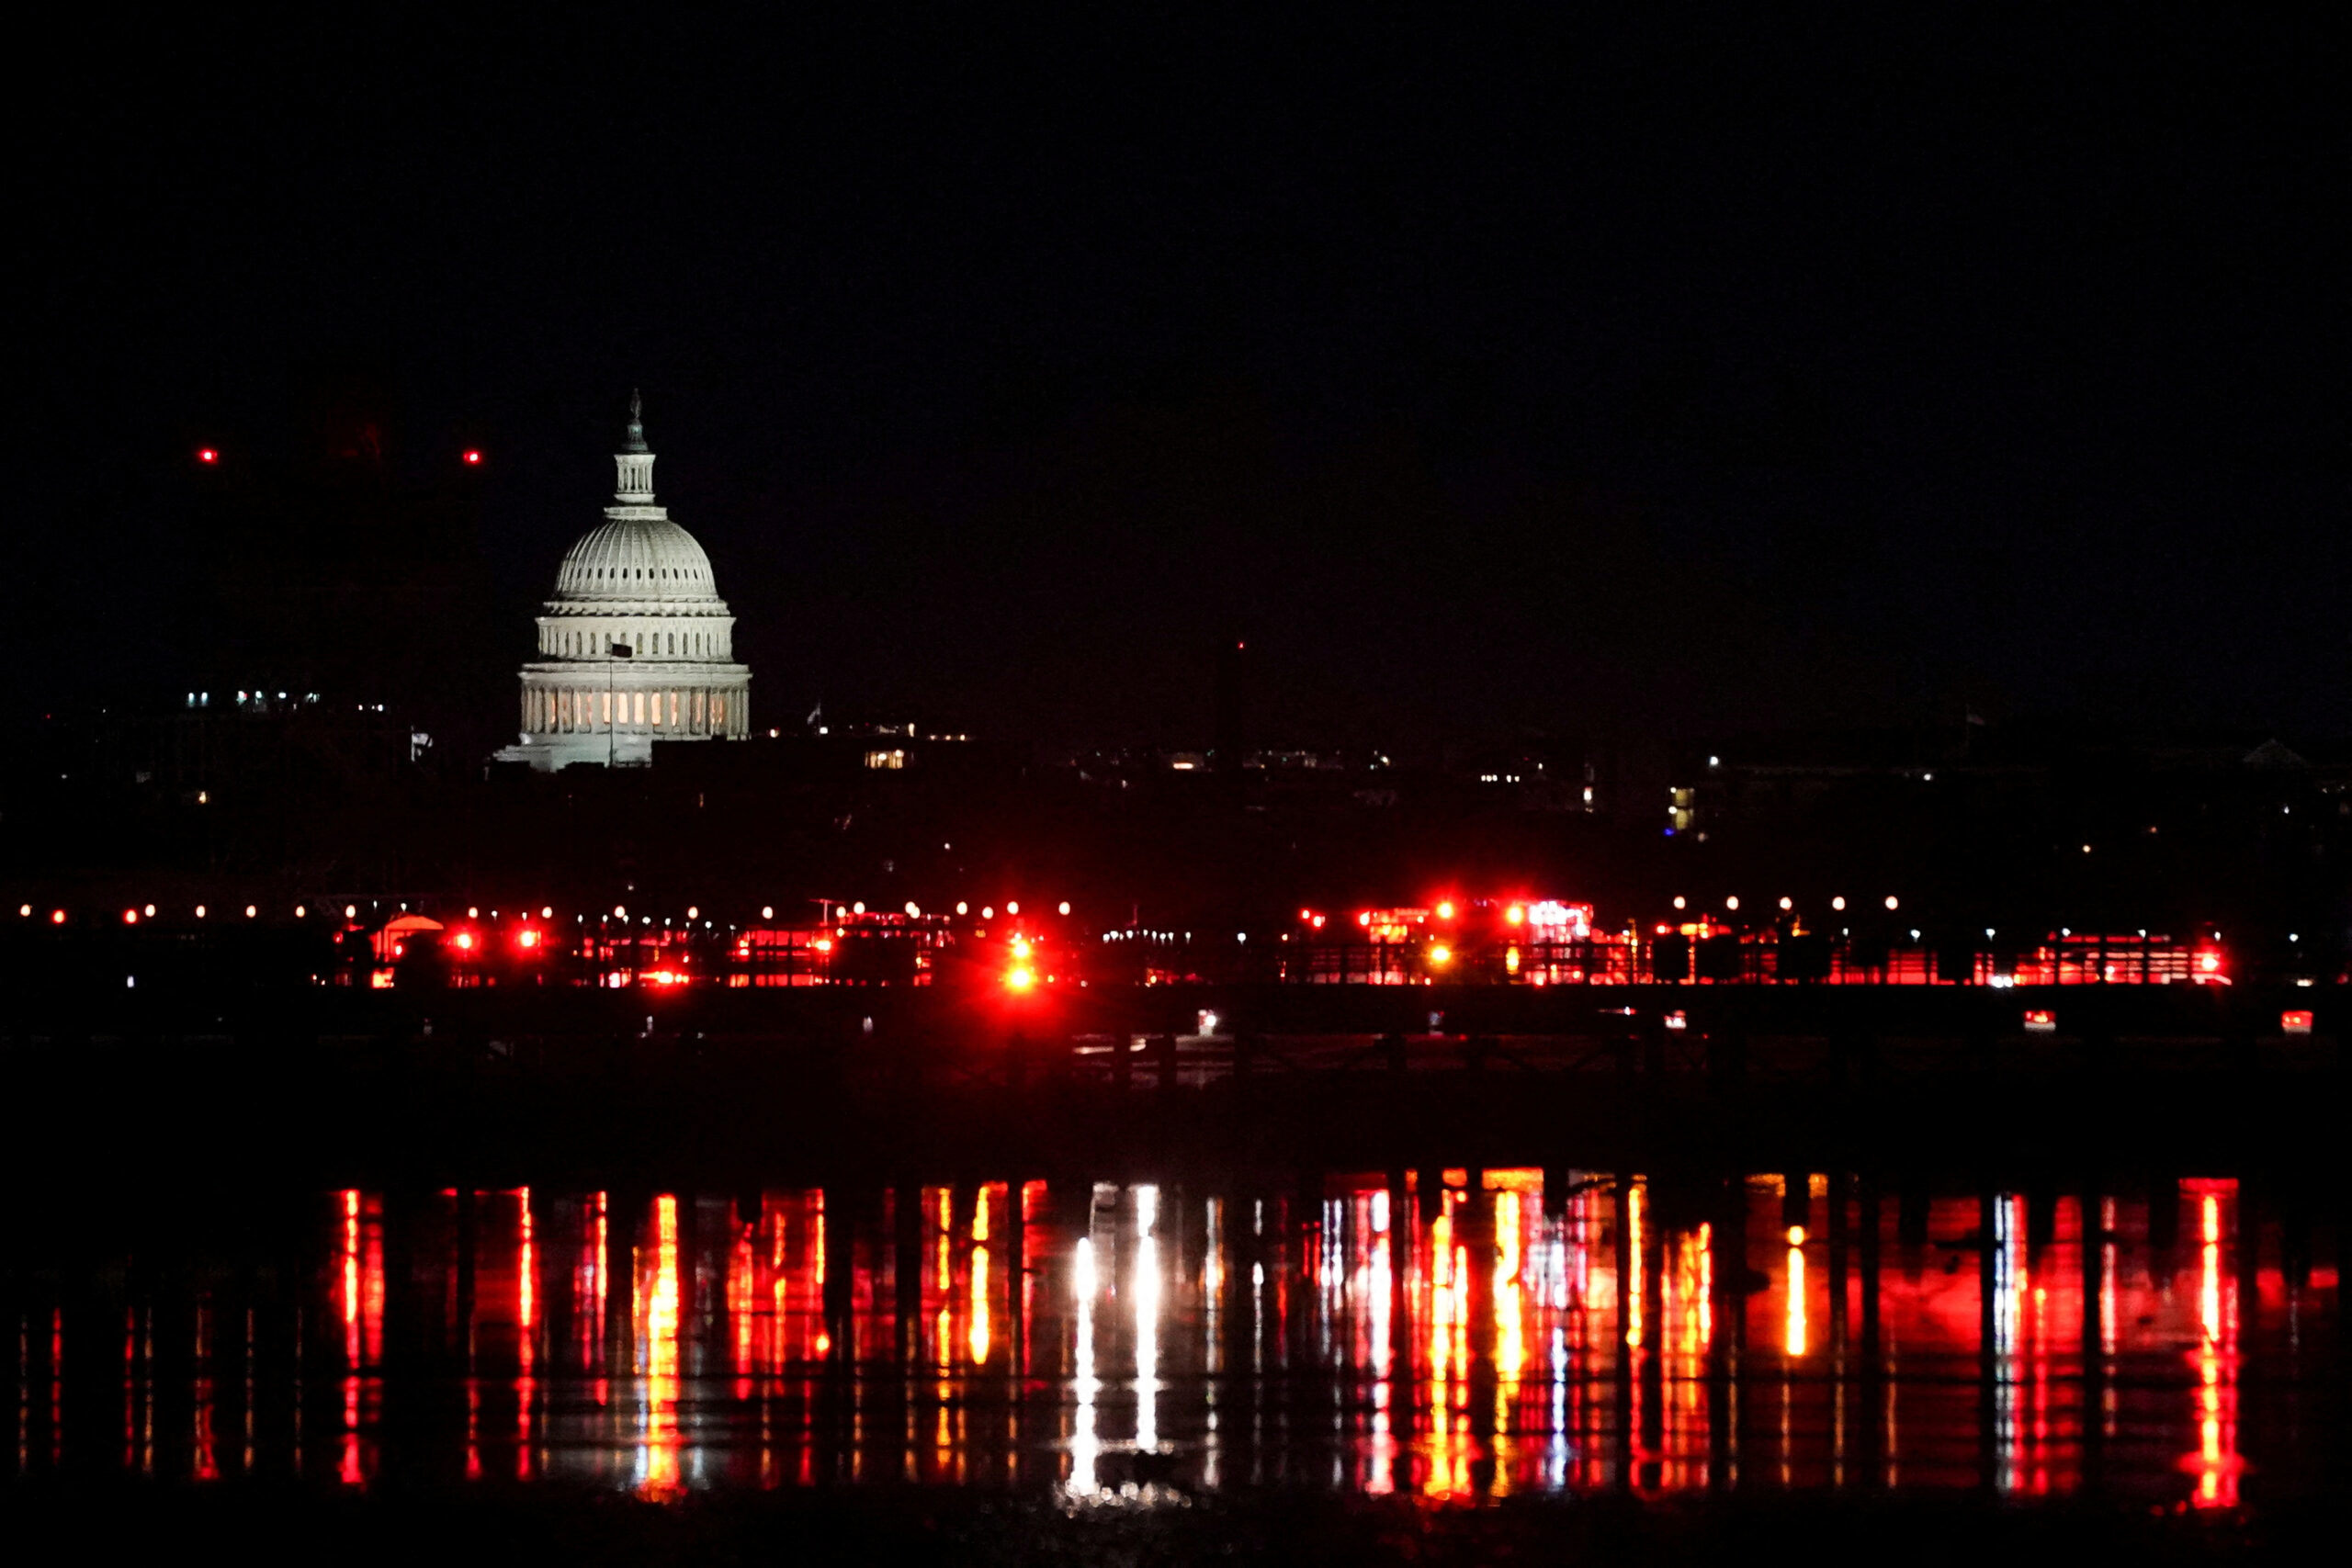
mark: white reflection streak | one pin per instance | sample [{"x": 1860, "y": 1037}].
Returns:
[
  {"x": 1146, "y": 1293},
  {"x": 1083, "y": 1446},
  {"x": 1212, "y": 1355},
  {"x": 1559, "y": 1455}
]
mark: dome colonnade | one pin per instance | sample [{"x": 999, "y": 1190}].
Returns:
[{"x": 636, "y": 646}]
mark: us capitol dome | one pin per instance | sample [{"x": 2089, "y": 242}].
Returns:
[{"x": 637, "y": 646}]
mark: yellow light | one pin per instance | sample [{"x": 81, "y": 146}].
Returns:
[
  {"x": 1515, "y": 915},
  {"x": 1445, "y": 909},
  {"x": 1021, "y": 947},
  {"x": 1440, "y": 956},
  {"x": 1020, "y": 978}
]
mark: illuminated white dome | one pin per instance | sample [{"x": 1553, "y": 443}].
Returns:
[
  {"x": 635, "y": 559},
  {"x": 636, "y": 646}
]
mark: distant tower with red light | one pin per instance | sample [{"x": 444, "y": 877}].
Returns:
[{"x": 637, "y": 646}]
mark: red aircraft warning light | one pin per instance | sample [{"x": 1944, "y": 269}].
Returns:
[
  {"x": 207, "y": 454},
  {"x": 473, "y": 457},
  {"x": 527, "y": 939}
]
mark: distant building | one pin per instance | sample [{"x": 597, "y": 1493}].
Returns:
[{"x": 637, "y": 646}]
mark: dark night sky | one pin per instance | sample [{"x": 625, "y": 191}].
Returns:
[{"x": 1774, "y": 372}]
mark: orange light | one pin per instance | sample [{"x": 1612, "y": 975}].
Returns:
[
  {"x": 1515, "y": 915},
  {"x": 2041, "y": 1021},
  {"x": 1445, "y": 909},
  {"x": 526, "y": 938},
  {"x": 465, "y": 941},
  {"x": 130, "y": 917},
  {"x": 57, "y": 916},
  {"x": 1020, "y": 978},
  {"x": 1440, "y": 956},
  {"x": 1021, "y": 947},
  {"x": 2211, "y": 963}
]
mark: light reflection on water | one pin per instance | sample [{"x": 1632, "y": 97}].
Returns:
[{"x": 1453, "y": 1336}]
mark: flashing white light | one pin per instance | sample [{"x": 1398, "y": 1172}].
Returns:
[
  {"x": 858, "y": 908},
  {"x": 1065, "y": 907},
  {"x": 913, "y": 912},
  {"x": 988, "y": 912},
  {"x": 251, "y": 911},
  {"x": 300, "y": 912},
  {"x": 1241, "y": 936},
  {"x": 1839, "y": 903},
  {"x": 962, "y": 908},
  {"x": 620, "y": 911},
  {"x": 1012, "y": 909},
  {"x": 473, "y": 914},
  {"x": 1788, "y": 904},
  {"x": 1731, "y": 902},
  {"x": 148, "y": 910},
  {"x": 546, "y": 912},
  {"x": 1680, "y": 902},
  {"x": 694, "y": 912},
  {"x": 199, "y": 911},
  {"x": 1892, "y": 902},
  {"x": 351, "y": 911}
]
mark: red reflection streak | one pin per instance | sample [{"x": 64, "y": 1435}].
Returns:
[
  {"x": 56, "y": 1385},
  {"x": 207, "y": 1466},
  {"x": 657, "y": 1474},
  {"x": 589, "y": 1284},
  {"x": 2216, "y": 1464},
  {"x": 526, "y": 1311}
]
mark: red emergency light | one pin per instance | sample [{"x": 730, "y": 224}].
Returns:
[{"x": 2295, "y": 1021}]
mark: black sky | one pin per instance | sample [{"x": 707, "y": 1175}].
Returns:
[{"x": 1797, "y": 370}]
